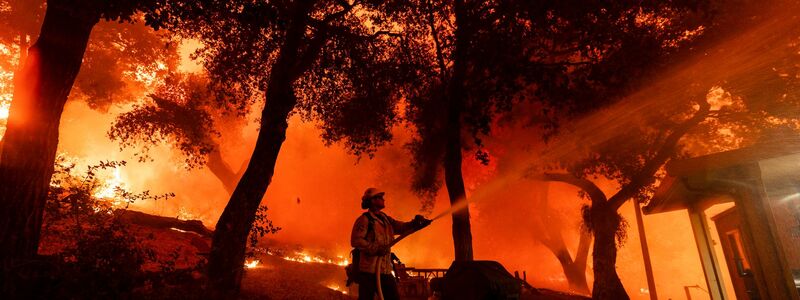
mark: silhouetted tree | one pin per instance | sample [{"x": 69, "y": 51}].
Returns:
[
  {"x": 549, "y": 225},
  {"x": 185, "y": 114},
  {"x": 21, "y": 19},
  {"x": 705, "y": 112},
  {"x": 31, "y": 138},
  {"x": 482, "y": 57},
  {"x": 334, "y": 61},
  {"x": 122, "y": 59}
]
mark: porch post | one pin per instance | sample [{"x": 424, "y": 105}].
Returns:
[{"x": 708, "y": 259}]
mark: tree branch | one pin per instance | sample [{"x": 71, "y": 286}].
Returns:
[
  {"x": 346, "y": 8},
  {"x": 591, "y": 189},
  {"x": 583, "y": 249},
  {"x": 566, "y": 63},
  {"x": 437, "y": 44},
  {"x": 322, "y": 26},
  {"x": 667, "y": 150},
  {"x": 310, "y": 55}
]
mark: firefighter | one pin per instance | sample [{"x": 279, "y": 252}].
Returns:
[{"x": 372, "y": 235}]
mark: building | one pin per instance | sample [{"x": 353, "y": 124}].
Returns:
[{"x": 760, "y": 233}]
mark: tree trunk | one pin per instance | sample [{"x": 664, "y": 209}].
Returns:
[
  {"x": 217, "y": 165},
  {"x": 31, "y": 138},
  {"x": 576, "y": 277},
  {"x": 454, "y": 180},
  {"x": 23, "y": 50},
  {"x": 579, "y": 263},
  {"x": 230, "y": 238},
  {"x": 605, "y": 222},
  {"x": 575, "y": 269},
  {"x": 548, "y": 229},
  {"x": 462, "y": 233}
]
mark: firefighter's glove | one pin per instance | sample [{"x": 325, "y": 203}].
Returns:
[{"x": 420, "y": 222}]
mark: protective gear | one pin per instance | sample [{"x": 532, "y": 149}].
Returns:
[
  {"x": 382, "y": 250},
  {"x": 369, "y": 194},
  {"x": 420, "y": 222},
  {"x": 371, "y": 240}
]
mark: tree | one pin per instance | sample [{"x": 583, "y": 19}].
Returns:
[
  {"x": 21, "y": 19},
  {"x": 472, "y": 69},
  {"x": 31, "y": 137},
  {"x": 549, "y": 225},
  {"x": 184, "y": 113},
  {"x": 602, "y": 218},
  {"x": 706, "y": 112},
  {"x": 498, "y": 53},
  {"x": 121, "y": 59},
  {"x": 332, "y": 60}
]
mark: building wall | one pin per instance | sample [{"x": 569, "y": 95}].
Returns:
[{"x": 781, "y": 177}]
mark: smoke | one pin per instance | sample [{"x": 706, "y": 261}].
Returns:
[{"x": 314, "y": 195}]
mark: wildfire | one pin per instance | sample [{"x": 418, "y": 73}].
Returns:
[
  {"x": 336, "y": 287},
  {"x": 6, "y": 86},
  {"x": 108, "y": 189},
  {"x": 184, "y": 214},
  {"x": 303, "y": 257},
  {"x": 251, "y": 264},
  {"x": 3, "y": 111},
  {"x": 3, "y": 117},
  {"x": 148, "y": 75}
]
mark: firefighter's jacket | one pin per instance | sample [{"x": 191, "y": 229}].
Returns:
[{"x": 384, "y": 228}]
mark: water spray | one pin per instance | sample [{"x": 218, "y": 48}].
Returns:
[
  {"x": 454, "y": 208},
  {"x": 378, "y": 259}
]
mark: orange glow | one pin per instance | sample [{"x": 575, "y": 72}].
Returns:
[
  {"x": 6, "y": 87},
  {"x": 337, "y": 288},
  {"x": 25, "y": 81},
  {"x": 314, "y": 195},
  {"x": 251, "y": 264},
  {"x": 184, "y": 214},
  {"x": 303, "y": 257},
  {"x": 186, "y": 49},
  {"x": 108, "y": 188},
  {"x": 501, "y": 203}
]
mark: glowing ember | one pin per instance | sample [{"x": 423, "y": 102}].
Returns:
[
  {"x": 108, "y": 190},
  {"x": 336, "y": 287},
  {"x": 181, "y": 231},
  {"x": 184, "y": 214},
  {"x": 251, "y": 264},
  {"x": 3, "y": 111},
  {"x": 302, "y": 257}
]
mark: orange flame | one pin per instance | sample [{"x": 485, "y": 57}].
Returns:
[
  {"x": 336, "y": 287},
  {"x": 303, "y": 257},
  {"x": 251, "y": 264},
  {"x": 3, "y": 111}
]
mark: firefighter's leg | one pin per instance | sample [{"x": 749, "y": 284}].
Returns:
[
  {"x": 366, "y": 286},
  {"x": 389, "y": 287}
]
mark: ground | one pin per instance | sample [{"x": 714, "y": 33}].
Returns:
[
  {"x": 277, "y": 278},
  {"x": 282, "y": 272}
]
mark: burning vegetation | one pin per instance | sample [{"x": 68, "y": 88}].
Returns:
[{"x": 141, "y": 143}]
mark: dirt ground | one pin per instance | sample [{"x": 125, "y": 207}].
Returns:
[
  {"x": 276, "y": 278},
  {"x": 273, "y": 278}
]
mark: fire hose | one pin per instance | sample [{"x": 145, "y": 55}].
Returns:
[{"x": 379, "y": 259}]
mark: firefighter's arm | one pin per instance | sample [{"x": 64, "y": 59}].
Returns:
[
  {"x": 358, "y": 238},
  {"x": 400, "y": 227},
  {"x": 417, "y": 223}
]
